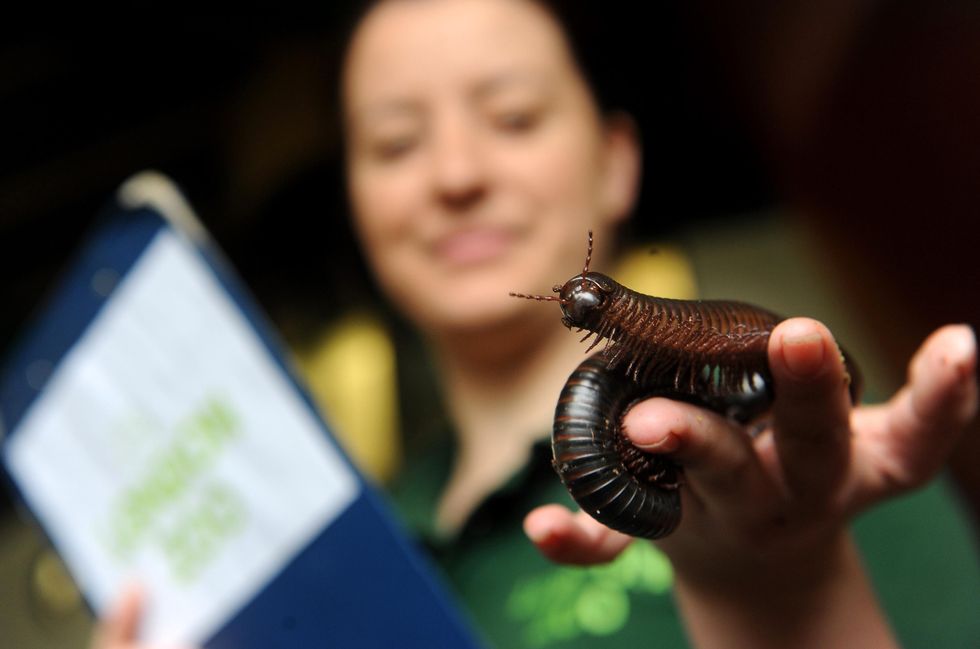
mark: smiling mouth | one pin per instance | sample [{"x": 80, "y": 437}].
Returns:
[{"x": 473, "y": 247}]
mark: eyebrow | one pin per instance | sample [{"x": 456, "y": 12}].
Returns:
[
  {"x": 374, "y": 111},
  {"x": 509, "y": 78},
  {"x": 398, "y": 107}
]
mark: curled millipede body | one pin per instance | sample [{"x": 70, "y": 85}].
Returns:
[{"x": 710, "y": 353}]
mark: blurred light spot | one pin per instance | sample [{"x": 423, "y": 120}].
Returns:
[
  {"x": 104, "y": 280},
  {"x": 53, "y": 586},
  {"x": 602, "y": 609},
  {"x": 38, "y": 372},
  {"x": 664, "y": 273},
  {"x": 351, "y": 375}
]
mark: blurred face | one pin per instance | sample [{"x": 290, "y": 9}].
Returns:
[{"x": 477, "y": 160}]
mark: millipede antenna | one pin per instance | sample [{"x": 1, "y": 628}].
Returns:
[
  {"x": 539, "y": 298},
  {"x": 588, "y": 259}
]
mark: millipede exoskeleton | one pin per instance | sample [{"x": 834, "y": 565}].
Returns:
[{"x": 710, "y": 353}]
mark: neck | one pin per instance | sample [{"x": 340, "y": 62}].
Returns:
[
  {"x": 506, "y": 386},
  {"x": 501, "y": 391}
]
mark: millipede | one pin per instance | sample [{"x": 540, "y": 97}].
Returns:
[{"x": 712, "y": 353}]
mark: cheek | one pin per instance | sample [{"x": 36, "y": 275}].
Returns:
[
  {"x": 382, "y": 203},
  {"x": 561, "y": 172},
  {"x": 385, "y": 210}
]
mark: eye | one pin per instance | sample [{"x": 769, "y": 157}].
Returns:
[
  {"x": 389, "y": 149},
  {"x": 516, "y": 121}
]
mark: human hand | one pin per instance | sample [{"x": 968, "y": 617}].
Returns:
[
  {"x": 762, "y": 557},
  {"x": 769, "y": 502},
  {"x": 119, "y": 628}
]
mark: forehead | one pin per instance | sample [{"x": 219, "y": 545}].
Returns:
[{"x": 403, "y": 46}]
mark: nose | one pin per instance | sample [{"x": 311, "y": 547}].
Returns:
[{"x": 459, "y": 174}]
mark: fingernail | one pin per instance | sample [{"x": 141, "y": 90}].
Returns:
[
  {"x": 651, "y": 426},
  {"x": 539, "y": 534},
  {"x": 803, "y": 353},
  {"x": 966, "y": 340},
  {"x": 666, "y": 444},
  {"x": 536, "y": 533},
  {"x": 963, "y": 348}
]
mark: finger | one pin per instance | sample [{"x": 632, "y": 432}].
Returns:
[
  {"x": 942, "y": 379},
  {"x": 811, "y": 412},
  {"x": 569, "y": 538},
  {"x": 121, "y": 624},
  {"x": 719, "y": 464},
  {"x": 903, "y": 443}
]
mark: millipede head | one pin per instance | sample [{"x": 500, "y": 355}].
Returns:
[
  {"x": 583, "y": 300},
  {"x": 582, "y": 297}
]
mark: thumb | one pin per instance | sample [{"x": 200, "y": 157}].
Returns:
[{"x": 119, "y": 627}]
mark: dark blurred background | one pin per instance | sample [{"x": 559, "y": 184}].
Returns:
[
  {"x": 241, "y": 113},
  {"x": 859, "y": 120},
  {"x": 863, "y": 116}
]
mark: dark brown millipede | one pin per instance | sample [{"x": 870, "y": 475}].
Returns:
[{"x": 709, "y": 353}]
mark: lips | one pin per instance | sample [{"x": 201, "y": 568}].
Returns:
[{"x": 473, "y": 247}]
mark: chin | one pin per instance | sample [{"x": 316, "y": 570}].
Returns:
[
  {"x": 475, "y": 299},
  {"x": 473, "y": 313}
]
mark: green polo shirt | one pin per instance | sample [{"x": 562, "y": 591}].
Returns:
[
  {"x": 517, "y": 598},
  {"x": 917, "y": 548}
]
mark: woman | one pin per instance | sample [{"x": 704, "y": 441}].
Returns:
[{"x": 477, "y": 159}]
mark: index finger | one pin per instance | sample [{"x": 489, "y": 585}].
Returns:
[{"x": 904, "y": 442}]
